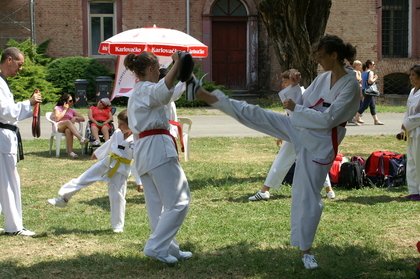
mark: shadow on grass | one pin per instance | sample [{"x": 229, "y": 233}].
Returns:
[
  {"x": 103, "y": 202},
  {"x": 228, "y": 181},
  {"x": 244, "y": 198},
  {"x": 63, "y": 231},
  {"x": 237, "y": 261},
  {"x": 371, "y": 200}
]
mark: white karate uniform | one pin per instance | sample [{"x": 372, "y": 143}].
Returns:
[
  {"x": 10, "y": 195},
  {"x": 166, "y": 188},
  {"x": 411, "y": 122},
  {"x": 172, "y": 115},
  {"x": 310, "y": 128},
  {"x": 117, "y": 184},
  {"x": 286, "y": 155}
]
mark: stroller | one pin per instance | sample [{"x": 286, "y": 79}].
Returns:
[{"x": 89, "y": 145}]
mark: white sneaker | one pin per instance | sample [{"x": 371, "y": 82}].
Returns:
[
  {"x": 260, "y": 196},
  {"x": 169, "y": 259},
  {"x": 331, "y": 195},
  {"x": 59, "y": 202},
  {"x": 96, "y": 143},
  {"x": 22, "y": 232},
  {"x": 118, "y": 230},
  {"x": 309, "y": 261},
  {"x": 183, "y": 255}
]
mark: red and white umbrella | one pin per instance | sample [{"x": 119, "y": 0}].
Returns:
[{"x": 162, "y": 42}]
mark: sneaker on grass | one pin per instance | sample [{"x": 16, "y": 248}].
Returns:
[
  {"x": 260, "y": 196},
  {"x": 22, "y": 232},
  {"x": 309, "y": 261},
  {"x": 331, "y": 195},
  {"x": 59, "y": 202}
]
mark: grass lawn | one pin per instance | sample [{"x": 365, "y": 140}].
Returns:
[{"x": 366, "y": 233}]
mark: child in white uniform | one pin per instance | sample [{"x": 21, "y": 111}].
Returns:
[
  {"x": 156, "y": 160},
  {"x": 315, "y": 128},
  {"x": 114, "y": 164},
  {"x": 411, "y": 126}
]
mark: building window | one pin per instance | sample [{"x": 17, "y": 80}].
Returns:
[
  {"x": 395, "y": 19},
  {"x": 101, "y": 24},
  {"x": 228, "y": 8},
  {"x": 397, "y": 83}
]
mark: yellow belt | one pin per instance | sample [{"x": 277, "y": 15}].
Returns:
[{"x": 119, "y": 160}]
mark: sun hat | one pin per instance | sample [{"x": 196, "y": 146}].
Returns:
[{"x": 106, "y": 102}]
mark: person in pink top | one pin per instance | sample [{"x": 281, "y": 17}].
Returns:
[
  {"x": 100, "y": 117},
  {"x": 66, "y": 118}
]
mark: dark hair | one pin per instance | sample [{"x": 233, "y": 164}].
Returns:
[
  {"x": 368, "y": 63},
  {"x": 416, "y": 69},
  {"x": 332, "y": 43},
  {"x": 139, "y": 63},
  {"x": 63, "y": 99},
  {"x": 10, "y": 52},
  {"x": 123, "y": 116},
  {"x": 364, "y": 67}
]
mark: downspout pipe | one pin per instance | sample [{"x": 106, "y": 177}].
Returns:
[
  {"x": 32, "y": 13},
  {"x": 188, "y": 16}
]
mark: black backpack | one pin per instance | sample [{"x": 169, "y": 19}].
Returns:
[{"x": 351, "y": 175}]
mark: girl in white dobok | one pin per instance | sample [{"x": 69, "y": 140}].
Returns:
[
  {"x": 315, "y": 128},
  {"x": 156, "y": 160}
]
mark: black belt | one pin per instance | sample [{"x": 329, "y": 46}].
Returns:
[{"x": 19, "y": 138}]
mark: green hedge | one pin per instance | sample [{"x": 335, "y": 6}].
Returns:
[{"x": 62, "y": 73}]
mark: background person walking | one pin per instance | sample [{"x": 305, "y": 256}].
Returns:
[{"x": 368, "y": 78}]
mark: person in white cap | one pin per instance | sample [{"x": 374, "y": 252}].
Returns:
[{"x": 100, "y": 116}]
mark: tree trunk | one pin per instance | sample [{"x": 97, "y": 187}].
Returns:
[{"x": 294, "y": 26}]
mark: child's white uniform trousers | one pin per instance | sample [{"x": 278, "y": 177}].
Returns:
[{"x": 113, "y": 167}]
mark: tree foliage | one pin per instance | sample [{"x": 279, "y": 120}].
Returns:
[
  {"x": 33, "y": 74},
  {"x": 294, "y": 26}
]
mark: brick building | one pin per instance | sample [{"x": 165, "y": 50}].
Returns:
[{"x": 240, "y": 54}]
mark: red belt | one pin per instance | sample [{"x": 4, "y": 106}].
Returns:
[
  {"x": 158, "y": 132},
  {"x": 180, "y": 134}
]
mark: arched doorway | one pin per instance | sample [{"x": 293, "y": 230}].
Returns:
[{"x": 229, "y": 43}]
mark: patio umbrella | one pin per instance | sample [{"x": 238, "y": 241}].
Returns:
[{"x": 160, "y": 41}]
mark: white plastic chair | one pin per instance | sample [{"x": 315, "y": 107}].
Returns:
[
  {"x": 186, "y": 128},
  {"x": 57, "y": 135}
]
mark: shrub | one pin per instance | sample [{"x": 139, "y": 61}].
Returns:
[
  {"x": 33, "y": 74},
  {"x": 63, "y": 72}
]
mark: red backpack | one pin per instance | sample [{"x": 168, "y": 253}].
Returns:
[{"x": 386, "y": 168}]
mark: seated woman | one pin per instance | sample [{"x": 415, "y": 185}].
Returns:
[
  {"x": 100, "y": 117},
  {"x": 66, "y": 118}
]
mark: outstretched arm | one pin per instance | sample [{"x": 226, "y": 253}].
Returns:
[{"x": 206, "y": 96}]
